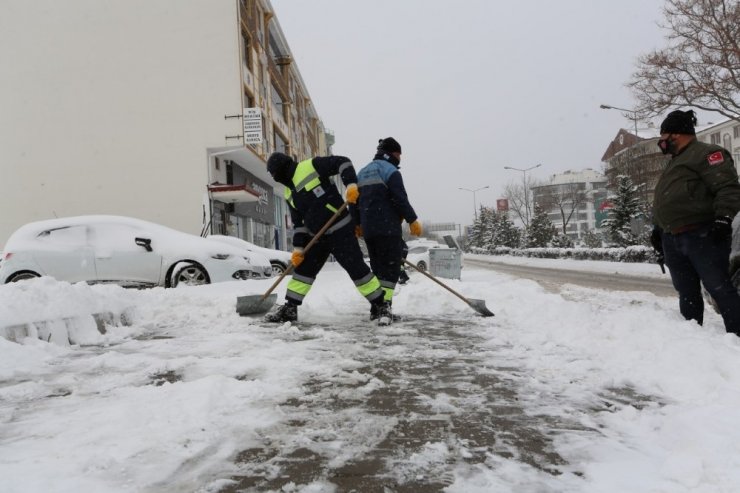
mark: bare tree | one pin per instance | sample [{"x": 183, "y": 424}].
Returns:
[
  {"x": 520, "y": 198},
  {"x": 700, "y": 67},
  {"x": 565, "y": 197}
]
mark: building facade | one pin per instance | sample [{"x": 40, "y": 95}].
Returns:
[
  {"x": 575, "y": 199},
  {"x": 137, "y": 108},
  {"x": 726, "y": 134}
]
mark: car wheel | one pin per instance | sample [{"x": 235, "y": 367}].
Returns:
[
  {"x": 23, "y": 275},
  {"x": 422, "y": 266},
  {"x": 277, "y": 268},
  {"x": 189, "y": 275}
]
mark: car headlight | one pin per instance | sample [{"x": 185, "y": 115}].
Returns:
[{"x": 220, "y": 256}]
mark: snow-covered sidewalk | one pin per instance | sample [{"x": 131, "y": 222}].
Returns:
[{"x": 626, "y": 394}]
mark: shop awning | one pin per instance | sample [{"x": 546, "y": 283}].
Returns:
[{"x": 230, "y": 194}]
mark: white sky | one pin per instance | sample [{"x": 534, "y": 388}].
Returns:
[
  {"x": 90, "y": 417},
  {"x": 472, "y": 86}
]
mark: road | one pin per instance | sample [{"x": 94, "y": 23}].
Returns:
[{"x": 552, "y": 279}]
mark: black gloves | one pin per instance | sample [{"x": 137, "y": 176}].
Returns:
[
  {"x": 656, "y": 239},
  {"x": 721, "y": 229}
]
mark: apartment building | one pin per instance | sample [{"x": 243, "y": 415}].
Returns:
[
  {"x": 574, "y": 198},
  {"x": 726, "y": 133},
  {"x": 155, "y": 109},
  {"x": 636, "y": 156}
]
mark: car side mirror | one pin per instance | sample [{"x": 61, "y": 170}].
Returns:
[{"x": 144, "y": 242}]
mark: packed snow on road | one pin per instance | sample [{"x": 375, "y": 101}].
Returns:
[{"x": 583, "y": 390}]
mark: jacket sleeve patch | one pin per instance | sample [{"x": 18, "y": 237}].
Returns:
[{"x": 715, "y": 158}]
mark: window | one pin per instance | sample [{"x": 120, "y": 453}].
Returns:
[
  {"x": 279, "y": 102},
  {"x": 70, "y": 236},
  {"x": 246, "y": 50},
  {"x": 714, "y": 138},
  {"x": 736, "y": 131},
  {"x": 280, "y": 144},
  {"x": 727, "y": 141},
  {"x": 261, "y": 25}
]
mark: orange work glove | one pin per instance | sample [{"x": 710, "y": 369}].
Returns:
[
  {"x": 358, "y": 231},
  {"x": 297, "y": 257},
  {"x": 415, "y": 228},
  {"x": 353, "y": 193}
]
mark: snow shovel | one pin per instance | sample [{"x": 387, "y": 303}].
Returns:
[
  {"x": 254, "y": 304},
  {"x": 477, "y": 305}
]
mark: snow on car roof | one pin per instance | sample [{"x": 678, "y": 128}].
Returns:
[{"x": 167, "y": 239}]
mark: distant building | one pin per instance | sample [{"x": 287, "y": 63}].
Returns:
[
  {"x": 726, "y": 134},
  {"x": 574, "y": 198},
  {"x": 137, "y": 108},
  {"x": 638, "y": 157}
]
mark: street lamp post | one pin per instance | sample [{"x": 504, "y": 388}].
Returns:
[
  {"x": 526, "y": 188},
  {"x": 475, "y": 207},
  {"x": 632, "y": 112}
]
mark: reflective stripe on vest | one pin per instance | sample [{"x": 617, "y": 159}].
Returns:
[
  {"x": 305, "y": 176},
  {"x": 289, "y": 197}
]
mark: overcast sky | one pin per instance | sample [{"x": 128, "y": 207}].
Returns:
[{"x": 469, "y": 87}]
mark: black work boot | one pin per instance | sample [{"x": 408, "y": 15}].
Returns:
[
  {"x": 403, "y": 278},
  {"x": 375, "y": 308},
  {"x": 283, "y": 313},
  {"x": 385, "y": 314}
]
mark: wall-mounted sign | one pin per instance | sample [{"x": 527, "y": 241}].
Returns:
[{"x": 252, "y": 126}]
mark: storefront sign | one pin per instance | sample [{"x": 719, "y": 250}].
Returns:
[{"x": 252, "y": 126}]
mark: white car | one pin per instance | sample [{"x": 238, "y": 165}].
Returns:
[
  {"x": 122, "y": 250},
  {"x": 279, "y": 259},
  {"x": 419, "y": 252}
]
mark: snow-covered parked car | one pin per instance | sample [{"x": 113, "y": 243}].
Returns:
[
  {"x": 122, "y": 250},
  {"x": 279, "y": 259}
]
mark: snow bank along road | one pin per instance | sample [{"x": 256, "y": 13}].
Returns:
[
  {"x": 583, "y": 390},
  {"x": 552, "y": 276}
]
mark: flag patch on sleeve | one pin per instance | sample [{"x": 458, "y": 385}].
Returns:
[{"x": 715, "y": 158}]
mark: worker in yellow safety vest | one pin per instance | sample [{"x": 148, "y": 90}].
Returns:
[{"x": 313, "y": 199}]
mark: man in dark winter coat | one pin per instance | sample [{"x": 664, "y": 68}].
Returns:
[
  {"x": 313, "y": 199},
  {"x": 696, "y": 198},
  {"x": 381, "y": 209}
]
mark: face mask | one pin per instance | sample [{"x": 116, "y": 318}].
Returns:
[{"x": 667, "y": 146}]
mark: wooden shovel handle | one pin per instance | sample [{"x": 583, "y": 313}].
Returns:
[
  {"x": 437, "y": 281},
  {"x": 311, "y": 243}
]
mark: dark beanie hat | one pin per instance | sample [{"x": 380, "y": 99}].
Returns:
[
  {"x": 278, "y": 161},
  {"x": 679, "y": 122},
  {"x": 389, "y": 144}
]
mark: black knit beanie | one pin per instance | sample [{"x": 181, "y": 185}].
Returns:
[
  {"x": 389, "y": 144},
  {"x": 278, "y": 165},
  {"x": 679, "y": 122}
]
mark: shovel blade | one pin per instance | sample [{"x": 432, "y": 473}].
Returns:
[
  {"x": 254, "y": 304},
  {"x": 480, "y": 307}
]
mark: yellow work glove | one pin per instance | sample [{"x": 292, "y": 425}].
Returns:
[
  {"x": 358, "y": 231},
  {"x": 297, "y": 257},
  {"x": 353, "y": 193},
  {"x": 415, "y": 228}
]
